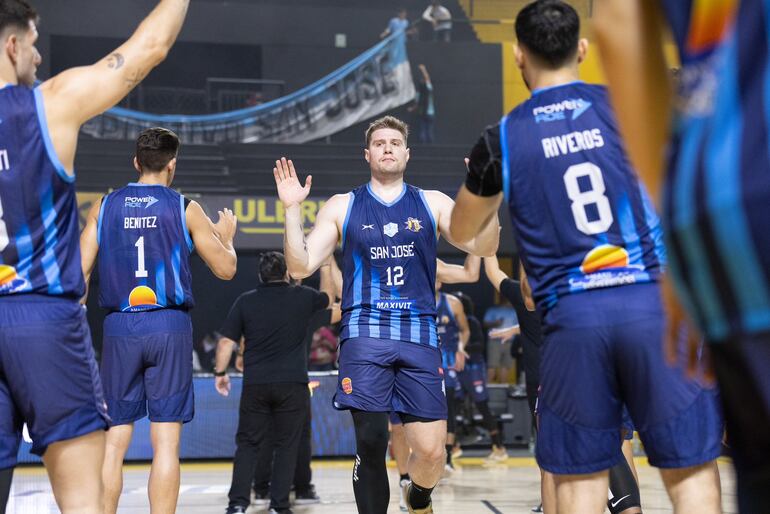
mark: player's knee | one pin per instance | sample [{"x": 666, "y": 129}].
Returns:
[
  {"x": 371, "y": 433},
  {"x": 433, "y": 451}
]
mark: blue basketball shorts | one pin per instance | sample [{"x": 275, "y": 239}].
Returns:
[
  {"x": 48, "y": 374},
  {"x": 603, "y": 349},
  {"x": 473, "y": 380},
  {"x": 448, "y": 366},
  {"x": 382, "y": 375},
  {"x": 147, "y": 366}
]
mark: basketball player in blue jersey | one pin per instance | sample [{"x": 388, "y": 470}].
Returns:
[
  {"x": 389, "y": 358},
  {"x": 43, "y": 332},
  {"x": 715, "y": 190},
  {"x": 590, "y": 243},
  {"x": 143, "y": 235},
  {"x": 453, "y": 333}
]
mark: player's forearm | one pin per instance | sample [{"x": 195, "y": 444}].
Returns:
[
  {"x": 224, "y": 353},
  {"x": 485, "y": 244},
  {"x": 327, "y": 283},
  {"x": 474, "y": 226},
  {"x": 493, "y": 272},
  {"x": 227, "y": 263},
  {"x": 630, "y": 43},
  {"x": 295, "y": 245},
  {"x": 159, "y": 30}
]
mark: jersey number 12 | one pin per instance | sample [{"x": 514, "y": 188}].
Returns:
[{"x": 395, "y": 276}]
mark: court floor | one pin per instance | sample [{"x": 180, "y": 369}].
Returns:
[{"x": 511, "y": 487}]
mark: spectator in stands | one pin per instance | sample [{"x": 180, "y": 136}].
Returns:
[
  {"x": 396, "y": 24},
  {"x": 441, "y": 20},
  {"x": 273, "y": 319},
  {"x": 425, "y": 107}
]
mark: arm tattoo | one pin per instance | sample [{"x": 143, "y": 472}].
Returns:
[{"x": 115, "y": 61}]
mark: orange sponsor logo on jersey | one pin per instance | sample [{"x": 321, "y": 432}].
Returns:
[
  {"x": 7, "y": 274},
  {"x": 141, "y": 296},
  {"x": 347, "y": 385},
  {"x": 709, "y": 22},
  {"x": 604, "y": 257}
]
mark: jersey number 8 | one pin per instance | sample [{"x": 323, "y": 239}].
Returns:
[
  {"x": 594, "y": 195},
  {"x": 3, "y": 231}
]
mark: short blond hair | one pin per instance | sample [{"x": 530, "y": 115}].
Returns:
[{"x": 387, "y": 122}]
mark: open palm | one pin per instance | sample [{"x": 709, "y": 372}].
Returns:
[{"x": 290, "y": 190}]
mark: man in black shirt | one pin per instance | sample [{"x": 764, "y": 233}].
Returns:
[
  {"x": 273, "y": 319},
  {"x": 304, "y": 490}
]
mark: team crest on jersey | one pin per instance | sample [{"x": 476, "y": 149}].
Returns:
[
  {"x": 413, "y": 224},
  {"x": 390, "y": 230},
  {"x": 140, "y": 201},
  {"x": 10, "y": 281}
]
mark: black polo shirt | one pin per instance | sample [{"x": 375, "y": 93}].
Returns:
[{"x": 274, "y": 320}]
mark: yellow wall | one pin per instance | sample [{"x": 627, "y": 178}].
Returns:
[{"x": 515, "y": 92}]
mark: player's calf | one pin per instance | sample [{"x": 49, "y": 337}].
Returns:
[{"x": 370, "y": 476}]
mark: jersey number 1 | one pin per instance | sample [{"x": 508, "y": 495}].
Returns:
[
  {"x": 582, "y": 199},
  {"x": 3, "y": 230},
  {"x": 140, "y": 271}
]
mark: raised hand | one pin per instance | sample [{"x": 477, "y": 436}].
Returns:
[
  {"x": 225, "y": 227},
  {"x": 290, "y": 191}
]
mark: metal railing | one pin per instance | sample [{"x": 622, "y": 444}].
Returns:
[{"x": 219, "y": 95}]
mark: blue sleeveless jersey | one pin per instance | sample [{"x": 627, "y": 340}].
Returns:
[
  {"x": 389, "y": 268},
  {"x": 448, "y": 331},
  {"x": 718, "y": 185},
  {"x": 144, "y": 250},
  {"x": 39, "y": 245},
  {"x": 581, "y": 218}
]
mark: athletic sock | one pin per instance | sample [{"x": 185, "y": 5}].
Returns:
[
  {"x": 449, "y": 454},
  {"x": 419, "y": 497}
]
